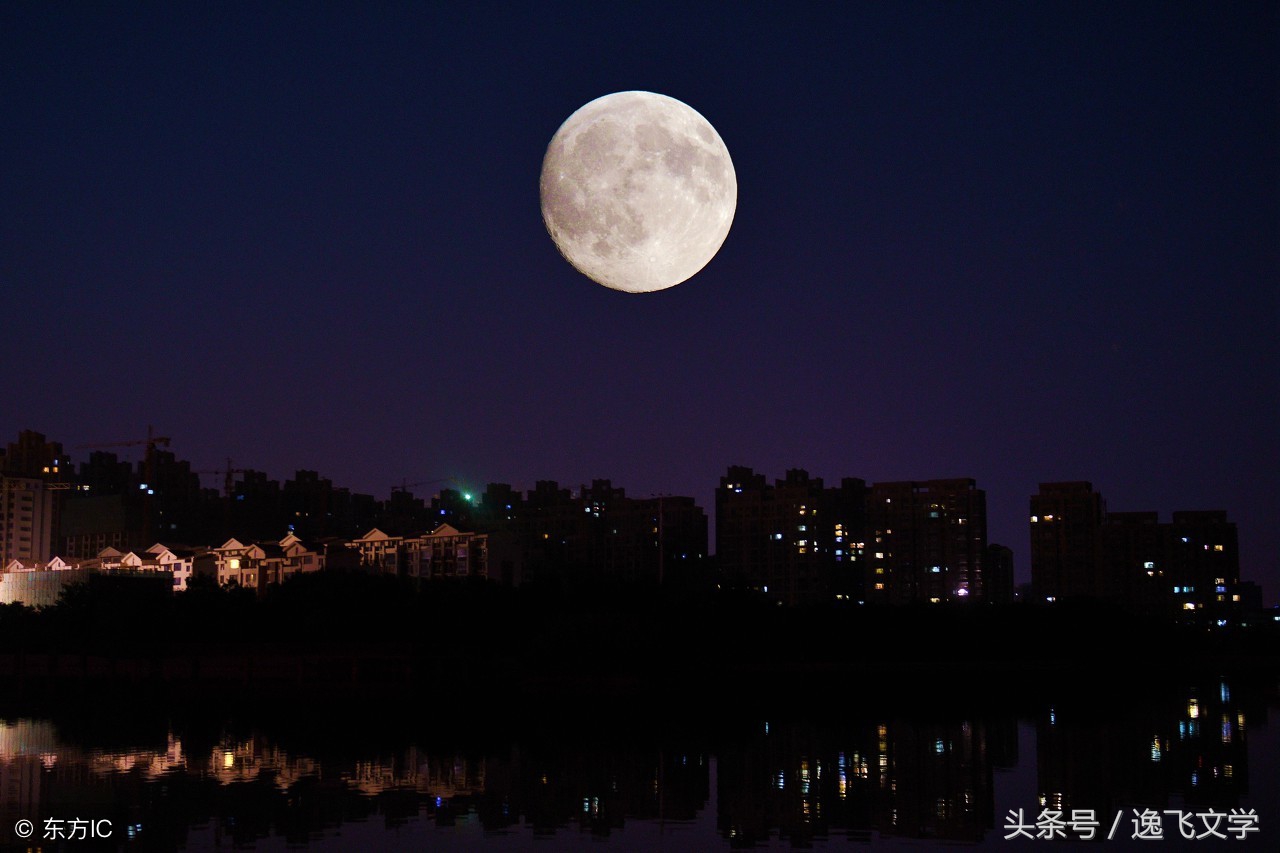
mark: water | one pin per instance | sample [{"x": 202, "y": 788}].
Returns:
[{"x": 865, "y": 771}]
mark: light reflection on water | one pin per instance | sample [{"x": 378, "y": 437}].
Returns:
[{"x": 796, "y": 780}]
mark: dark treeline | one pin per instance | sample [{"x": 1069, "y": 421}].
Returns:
[{"x": 582, "y": 634}]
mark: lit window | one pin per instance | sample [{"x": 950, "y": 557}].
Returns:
[
  {"x": 1215, "y": 547},
  {"x": 879, "y": 586},
  {"x": 1190, "y": 605},
  {"x": 879, "y": 555}
]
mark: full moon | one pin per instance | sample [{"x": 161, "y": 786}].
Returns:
[{"x": 638, "y": 191}]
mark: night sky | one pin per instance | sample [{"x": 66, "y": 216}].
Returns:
[{"x": 1018, "y": 242}]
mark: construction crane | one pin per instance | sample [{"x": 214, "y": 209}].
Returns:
[
  {"x": 23, "y": 484},
  {"x": 406, "y": 485},
  {"x": 151, "y": 442},
  {"x": 229, "y": 474}
]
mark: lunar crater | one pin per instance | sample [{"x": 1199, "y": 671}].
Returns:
[{"x": 638, "y": 191}]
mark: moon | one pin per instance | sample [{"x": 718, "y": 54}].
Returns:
[{"x": 638, "y": 191}]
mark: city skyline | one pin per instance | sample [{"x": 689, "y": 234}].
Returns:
[
  {"x": 881, "y": 542},
  {"x": 1016, "y": 243}
]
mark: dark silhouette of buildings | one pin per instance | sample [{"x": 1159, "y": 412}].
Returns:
[
  {"x": 1065, "y": 549},
  {"x": 118, "y": 505},
  {"x": 894, "y": 543},
  {"x": 33, "y": 456},
  {"x": 999, "y": 571},
  {"x": 600, "y": 533},
  {"x": 31, "y": 479},
  {"x": 795, "y": 541},
  {"x": 1188, "y": 568},
  {"x": 927, "y": 541}
]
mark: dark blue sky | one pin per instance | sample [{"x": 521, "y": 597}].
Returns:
[{"x": 1014, "y": 241}]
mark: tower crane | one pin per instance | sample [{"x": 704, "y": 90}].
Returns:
[
  {"x": 151, "y": 442},
  {"x": 228, "y": 473},
  {"x": 406, "y": 485}
]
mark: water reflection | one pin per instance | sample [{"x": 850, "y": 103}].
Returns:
[
  {"x": 894, "y": 777},
  {"x": 795, "y": 779},
  {"x": 1190, "y": 745}
]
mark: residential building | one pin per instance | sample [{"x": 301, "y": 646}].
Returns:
[
  {"x": 1188, "y": 568},
  {"x": 1204, "y": 566},
  {"x": 598, "y": 533},
  {"x": 34, "y": 456},
  {"x": 28, "y": 519},
  {"x": 447, "y": 552},
  {"x": 381, "y": 553},
  {"x": 926, "y": 541},
  {"x": 1131, "y": 561},
  {"x": 232, "y": 565},
  {"x": 795, "y": 541},
  {"x": 178, "y": 560},
  {"x": 1066, "y": 521},
  {"x": 999, "y": 574}
]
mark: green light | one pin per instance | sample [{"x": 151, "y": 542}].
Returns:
[{"x": 467, "y": 497}]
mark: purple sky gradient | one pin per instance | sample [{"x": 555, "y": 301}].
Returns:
[{"x": 1019, "y": 242}]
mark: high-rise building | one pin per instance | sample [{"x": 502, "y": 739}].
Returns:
[
  {"x": 794, "y": 541},
  {"x": 31, "y": 472},
  {"x": 1204, "y": 565},
  {"x": 927, "y": 541},
  {"x": 33, "y": 456},
  {"x": 27, "y": 520},
  {"x": 1066, "y": 521},
  {"x": 1188, "y": 568},
  {"x": 1132, "y": 568},
  {"x": 597, "y": 534},
  {"x": 999, "y": 574}
]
